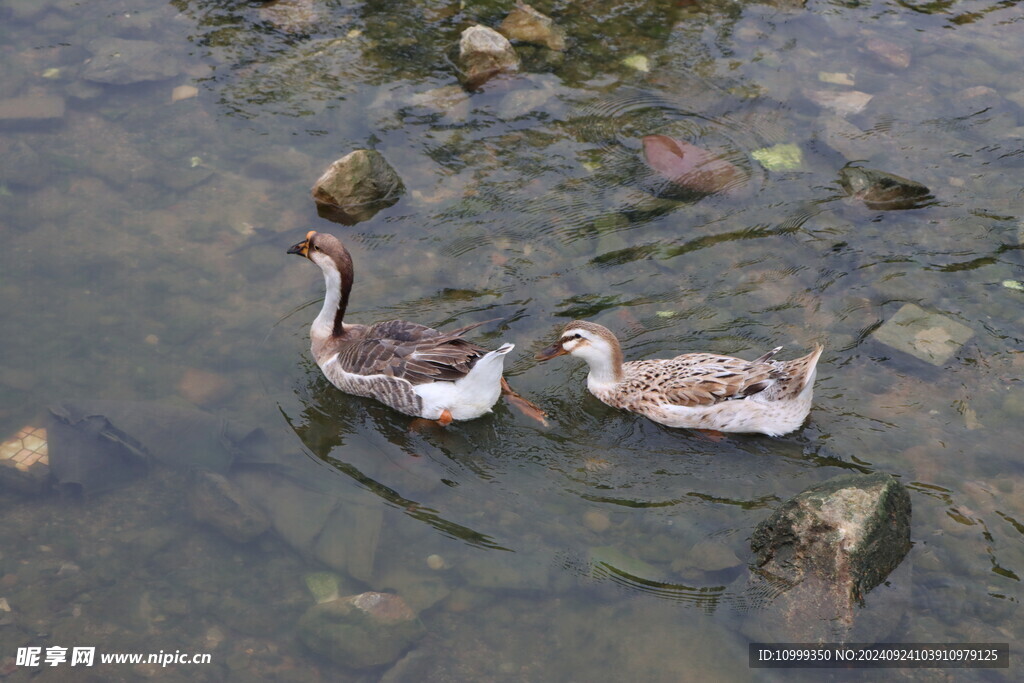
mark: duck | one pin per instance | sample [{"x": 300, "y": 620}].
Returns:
[
  {"x": 694, "y": 390},
  {"x": 412, "y": 368}
]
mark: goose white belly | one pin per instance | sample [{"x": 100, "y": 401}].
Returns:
[{"x": 469, "y": 397}]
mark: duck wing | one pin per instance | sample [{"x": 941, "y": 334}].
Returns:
[
  {"x": 703, "y": 379},
  {"x": 410, "y": 351}
]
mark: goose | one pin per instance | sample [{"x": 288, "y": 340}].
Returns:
[
  {"x": 415, "y": 369},
  {"x": 694, "y": 390}
]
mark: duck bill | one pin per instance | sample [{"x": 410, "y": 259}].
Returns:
[
  {"x": 550, "y": 352},
  {"x": 302, "y": 248}
]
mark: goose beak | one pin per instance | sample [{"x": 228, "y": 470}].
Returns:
[
  {"x": 302, "y": 248},
  {"x": 550, "y": 352}
]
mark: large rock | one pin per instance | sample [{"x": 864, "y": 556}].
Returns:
[
  {"x": 527, "y": 24},
  {"x": 849, "y": 532},
  {"x": 881, "y": 190},
  {"x": 361, "y": 631},
  {"x": 121, "y": 62},
  {"x": 357, "y": 186},
  {"x": 687, "y": 168},
  {"x": 216, "y": 501},
  {"x": 483, "y": 54},
  {"x": 930, "y": 336}
]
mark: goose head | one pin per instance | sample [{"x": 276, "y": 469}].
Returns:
[
  {"x": 594, "y": 343},
  {"x": 327, "y": 251}
]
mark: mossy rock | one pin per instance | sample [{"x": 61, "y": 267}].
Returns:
[
  {"x": 360, "y": 637},
  {"x": 850, "y": 531}
]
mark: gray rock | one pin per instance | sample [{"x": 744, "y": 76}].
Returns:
[
  {"x": 356, "y": 187},
  {"x": 849, "y": 532},
  {"x": 881, "y": 190},
  {"x": 120, "y": 62},
  {"x": 483, "y": 54},
  {"x": 527, "y": 24},
  {"x": 932, "y": 337},
  {"x": 361, "y": 631},
  {"x": 214, "y": 500}
]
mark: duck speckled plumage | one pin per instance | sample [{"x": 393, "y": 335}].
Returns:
[
  {"x": 413, "y": 368},
  {"x": 695, "y": 390}
]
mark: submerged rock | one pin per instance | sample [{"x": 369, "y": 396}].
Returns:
[
  {"x": 323, "y": 586},
  {"x": 785, "y": 156},
  {"x": 842, "y": 102},
  {"x": 483, "y": 54},
  {"x": 881, "y": 190},
  {"x": 848, "y": 533},
  {"x": 932, "y": 337},
  {"x": 214, "y": 500},
  {"x": 356, "y": 187},
  {"x": 888, "y": 53},
  {"x": 32, "y": 108},
  {"x": 688, "y": 167},
  {"x": 361, "y": 631},
  {"x": 121, "y": 62},
  {"x": 527, "y": 24}
]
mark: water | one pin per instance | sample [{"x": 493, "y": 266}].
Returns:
[{"x": 144, "y": 259}]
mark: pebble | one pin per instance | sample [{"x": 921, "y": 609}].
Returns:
[
  {"x": 184, "y": 92},
  {"x": 596, "y": 520},
  {"x": 835, "y": 77},
  {"x": 848, "y": 102}
]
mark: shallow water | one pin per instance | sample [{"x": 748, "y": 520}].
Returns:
[{"x": 143, "y": 259}]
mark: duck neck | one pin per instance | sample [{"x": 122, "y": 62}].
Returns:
[
  {"x": 338, "y": 284},
  {"x": 605, "y": 366}
]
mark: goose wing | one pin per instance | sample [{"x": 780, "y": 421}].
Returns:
[{"x": 410, "y": 351}]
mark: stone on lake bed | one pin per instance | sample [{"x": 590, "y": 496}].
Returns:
[
  {"x": 637, "y": 62},
  {"x": 888, "y": 52},
  {"x": 932, "y": 337},
  {"x": 117, "y": 61},
  {"x": 32, "y": 108},
  {"x": 835, "y": 77},
  {"x": 184, "y": 92},
  {"x": 483, "y": 54},
  {"x": 782, "y": 157},
  {"x": 323, "y": 586},
  {"x": 843, "y": 102},
  {"x": 214, "y": 500},
  {"x": 361, "y": 631},
  {"x": 688, "y": 166}
]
